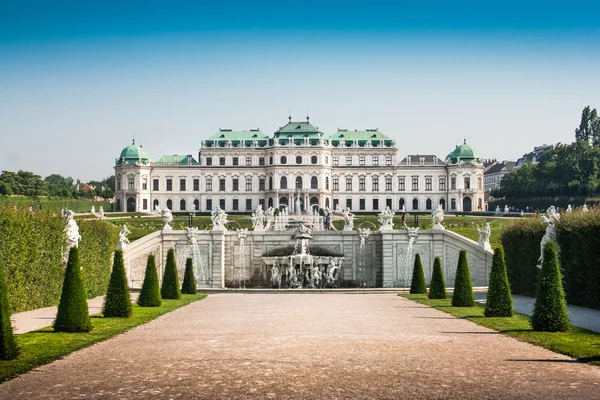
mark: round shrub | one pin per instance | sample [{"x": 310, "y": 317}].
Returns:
[
  {"x": 8, "y": 346},
  {"x": 499, "y": 300},
  {"x": 463, "y": 288},
  {"x": 117, "y": 303},
  {"x": 550, "y": 311},
  {"x": 150, "y": 293},
  {"x": 437, "y": 288},
  {"x": 170, "y": 284},
  {"x": 73, "y": 314},
  {"x": 418, "y": 284},
  {"x": 189, "y": 280}
]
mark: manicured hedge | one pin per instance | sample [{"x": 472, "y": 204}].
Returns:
[{"x": 31, "y": 248}]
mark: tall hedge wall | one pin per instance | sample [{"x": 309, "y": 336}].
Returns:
[
  {"x": 31, "y": 246},
  {"x": 578, "y": 238}
]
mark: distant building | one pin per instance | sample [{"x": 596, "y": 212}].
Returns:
[
  {"x": 495, "y": 172},
  {"x": 299, "y": 164},
  {"x": 533, "y": 156}
]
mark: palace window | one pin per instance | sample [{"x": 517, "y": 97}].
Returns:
[
  {"x": 182, "y": 185},
  {"x": 336, "y": 184},
  {"x": 261, "y": 184},
  {"x": 313, "y": 159},
  {"x": 208, "y": 204},
  {"x": 170, "y": 204},
  {"x": 348, "y": 160},
  {"x": 375, "y": 184},
  {"x": 283, "y": 160},
  {"x": 361, "y": 184},
  {"x": 401, "y": 183},
  {"x": 428, "y": 204},
  {"x": 428, "y": 185},
  {"x": 453, "y": 204},
  {"x": 375, "y": 204},
  {"x": 196, "y": 205},
  {"x": 361, "y": 204},
  {"x": 236, "y": 184},
  {"x": 283, "y": 183},
  {"x": 209, "y": 184},
  {"x": 415, "y": 204},
  {"x": 453, "y": 184},
  {"x": 145, "y": 204},
  {"x": 361, "y": 160},
  {"x": 131, "y": 182},
  {"x": 314, "y": 183},
  {"x": 388, "y": 184},
  {"x": 298, "y": 182},
  {"x": 222, "y": 161},
  {"x": 270, "y": 160},
  {"x": 208, "y": 161},
  {"x": 248, "y": 161},
  {"x": 196, "y": 184},
  {"x": 348, "y": 184},
  {"x": 326, "y": 183},
  {"x": 169, "y": 185},
  {"x": 182, "y": 205},
  {"x": 145, "y": 184},
  {"x": 270, "y": 183},
  {"x": 388, "y": 203},
  {"x": 336, "y": 160},
  {"x": 222, "y": 184},
  {"x": 261, "y": 161},
  {"x": 415, "y": 183},
  {"x": 375, "y": 160},
  {"x": 235, "y": 204},
  {"x": 388, "y": 160},
  {"x": 248, "y": 204},
  {"x": 467, "y": 182},
  {"x": 442, "y": 183},
  {"x": 248, "y": 184},
  {"x": 349, "y": 204},
  {"x": 155, "y": 184},
  {"x": 235, "y": 161},
  {"x": 222, "y": 203},
  {"x": 298, "y": 159}
]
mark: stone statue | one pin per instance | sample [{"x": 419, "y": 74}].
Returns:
[
  {"x": 123, "y": 241},
  {"x": 484, "y": 236},
  {"x": 505, "y": 209},
  {"x": 297, "y": 206},
  {"x": 269, "y": 212},
  {"x": 219, "y": 219},
  {"x": 585, "y": 208},
  {"x": 438, "y": 217},
  {"x": 551, "y": 218},
  {"x": 258, "y": 217},
  {"x": 498, "y": 212},
  {"x": 569, "y": 209},
  {"x": 166, "y": 217},
  {"x": 386, "y": 218},
  {"x": 93, "y": 210},
  {"x": 101, "y": 212},
  {"x": 363, "y": 234},
  {"x": 192, "y": 235},
  {"x": 72, "y": 229},
  {"x": 348, "y": 220}
]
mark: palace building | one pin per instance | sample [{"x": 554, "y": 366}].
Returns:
[{"x": 359, "y": 170}]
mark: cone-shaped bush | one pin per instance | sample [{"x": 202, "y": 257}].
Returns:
[
  {"x": 73, "y": 315},
  {"x": 8, "y": 346},
  {"x": 189, "y": 280},
  {"x": 418, "y": 284},
  {"x": 170, "y": 283},
  {"x": 150, "y": 293},
  {"x": 463, "y": 288},
  {"x": 499, "y": 300},
  {"x": 550, "y": 311},
  {"x": 117, "y": 303},
  {"x": 437, "y": 288}
]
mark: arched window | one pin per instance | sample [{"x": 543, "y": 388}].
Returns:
[
  {"x": 313, "y": 159},
  {"x": 283, "y": 160},
  {"x": 270, "y": 183},
  {"x": 169, "y": 204},
  {"x": 415, "y": 204},
  {"x": 270, "y": 160},
  {"x": 326, "y": 160},
  {"x": 182, "y": 205},
  {"x": 314, "y": 183},
  {"x": 196, "y": 205},
  {"x": 443, "y": 204},
  {"x": 270, "y": 202},
  {"x": 155, "y": 204},
  {"x": 326, "y": 183},
  {"x": 428, "y": 204},
  {"x": 401, "y": 205},
  {"x": 327, "y": 202},
  {"x": 283, "y": 183},
  {"x": 298, "y": 159},
  {"x": 298, "y": 182}
]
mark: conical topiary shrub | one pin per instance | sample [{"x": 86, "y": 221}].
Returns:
[
  {"x": 73, "y": 314},
  {"x": 189, "y": 280},
  {"x": 550, "y": 311},
  {"x": 170, "y": 283},
  {"x": 150, "y": 293},
  {"x": 8, "y": 346},
  {"x": 499, "y": 300},
  {"x": 463, "y": 288},
  {"x": 437, "y": 288},
  {"x": 418, "y": 284},
  {"x": 117, "y": 303}
]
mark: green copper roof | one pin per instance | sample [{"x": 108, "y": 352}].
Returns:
[
  {"x": 133, "y": 153},
  {"x": 237, "y": 138},
  {"x": 298, "y": 129},
  {"x": 462, "y": 152},
  {"x": 176, "y": 160},
  {"x": 370, "y": 137}
]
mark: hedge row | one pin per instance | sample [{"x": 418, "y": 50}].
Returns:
[
  {"x": 31, "y": 250},
  {"x": 579, "y": 246}
]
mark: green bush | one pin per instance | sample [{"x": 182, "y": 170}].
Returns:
[
  {"x": 73, "y": 315},
  {"x": 437, "y": 288},
  {"x": 117, "y": 303},
  {"x": 499, "y": 300},
  {"x": 8, "y": 346},
  {"x": 170, "y": 283},
  {"x": 98, "y": 240},
  {"x": 550, "y": 310},
  {"x": 418, "y": 284},
  {"x": 150, "y": 293},
  {"x": 189, "y": 280},
  {"x": 463, "y": 288}
]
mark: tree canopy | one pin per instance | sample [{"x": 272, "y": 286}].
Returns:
[{"x": 24, "y": 183}]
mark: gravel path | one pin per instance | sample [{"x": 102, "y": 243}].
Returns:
[{"x": 309, "y": 346}]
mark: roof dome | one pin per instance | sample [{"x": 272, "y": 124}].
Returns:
[
  {"x": 133, "y": 153},
  {"x": 462, "y": 153}
]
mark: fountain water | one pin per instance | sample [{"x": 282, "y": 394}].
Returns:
[
  {"x": 242, "y": 236},
  {"x": 413, "y": 234},
  {"x": 202, "y": 275}
]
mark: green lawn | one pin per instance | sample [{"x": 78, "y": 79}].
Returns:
[
  {"x": 581, "y": 344},
  {"x": 44, "y": 346}
]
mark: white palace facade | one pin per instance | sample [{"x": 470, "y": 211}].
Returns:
[{"x": 359, "y": 170}]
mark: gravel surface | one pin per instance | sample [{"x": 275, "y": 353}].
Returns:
[{"x": 309, "y": 346}]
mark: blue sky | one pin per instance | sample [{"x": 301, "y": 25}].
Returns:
[{"x": 79, "y": 79}]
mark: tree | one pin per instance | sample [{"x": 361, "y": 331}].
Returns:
[
  {"x": 170, "y": 284},
  {"x": 550, "y": 310},
  {"x": 73, "y": 315},
  {"x": 8, "y": 346},
  {"x": 463, "y": 288},
  {"x": 150, "y": 293},
  {"x": 189, "y": 280},
  {"x": 117, "y": 303},
  {"x": 589, "y": 127},
  {"x": 418, "y": 284},
  {"x": 437, "y": 288},
  {"x": 499, "y": 300}
]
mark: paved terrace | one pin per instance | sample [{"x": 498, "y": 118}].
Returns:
[{"x": 309, "y": 346}]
